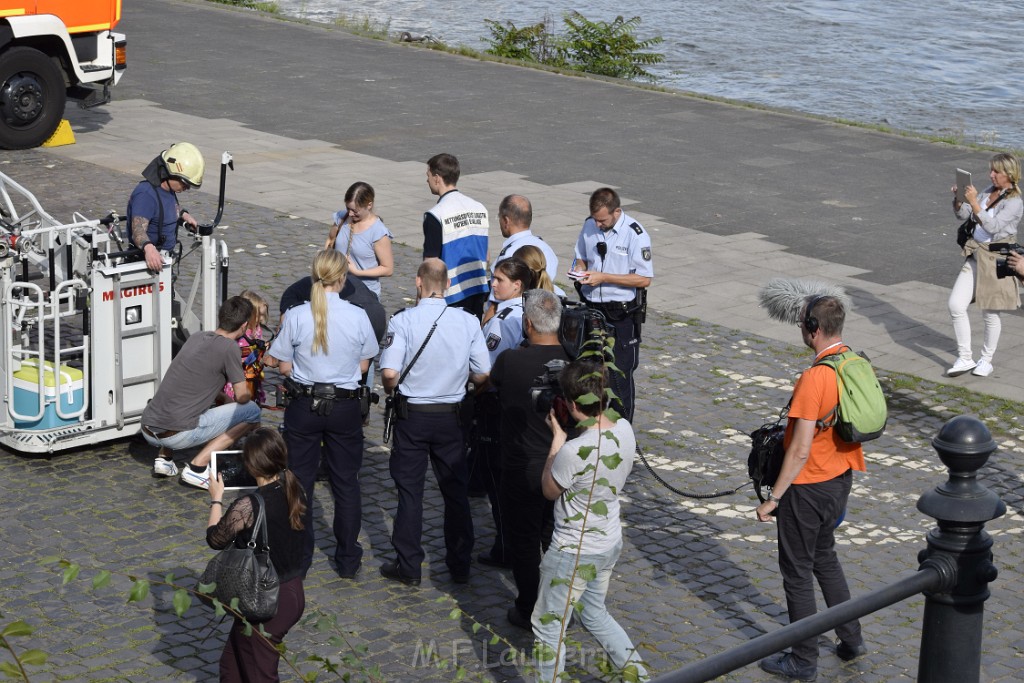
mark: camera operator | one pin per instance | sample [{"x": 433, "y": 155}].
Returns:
[{"x": 524, "y": 447}]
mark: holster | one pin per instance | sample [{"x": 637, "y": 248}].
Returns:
[
  {"x": 323, "y": 396},
  {"x": 366, "y": 399}
]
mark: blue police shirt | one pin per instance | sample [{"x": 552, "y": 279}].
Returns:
[
  {"x": 350, "y": 339},
  {"x": 505, "y": 329},
  {"x": 628, "y": 252},
  {"x": 454, "y": 351}
]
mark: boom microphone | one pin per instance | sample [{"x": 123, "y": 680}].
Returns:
[{"x": 784, "y": 299}]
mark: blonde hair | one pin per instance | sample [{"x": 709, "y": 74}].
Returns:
[
  {"x": 259, "y": 304},
  {"x": 534, "y": 259},
  {"x": 329, "y": 267},
  {"x": 1008, "y": 164}
]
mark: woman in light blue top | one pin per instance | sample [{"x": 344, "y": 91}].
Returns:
[{"x": 362, "y": 236}]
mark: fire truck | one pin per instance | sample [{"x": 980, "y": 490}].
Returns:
[
  {"x": 49, "y": 50},
  {"x": 86, "y": 329}
]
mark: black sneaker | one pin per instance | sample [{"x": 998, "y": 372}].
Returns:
[
  {"x": 785, "y": 665},
  {"x": 847, "y": 652},
  {"x": 392, "y": 572}
]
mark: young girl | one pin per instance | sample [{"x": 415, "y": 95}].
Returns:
[{"x": 253, "y": 347}]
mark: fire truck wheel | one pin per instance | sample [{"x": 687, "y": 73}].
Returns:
[{"x": 32, "y": 98}]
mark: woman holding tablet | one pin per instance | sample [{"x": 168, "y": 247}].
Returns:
[
  {"x": 323, "y": 348},
  {"x": 996, "y": 213},
  {"x": 251, "y": 658}
]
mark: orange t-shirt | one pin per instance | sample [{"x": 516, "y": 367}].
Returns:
[{"x": 815, "y": 395}]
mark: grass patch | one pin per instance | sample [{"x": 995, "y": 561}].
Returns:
[{"x": 269, "y": 7}]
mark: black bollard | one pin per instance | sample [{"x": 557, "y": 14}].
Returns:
[{"x": 960, "y": 549}]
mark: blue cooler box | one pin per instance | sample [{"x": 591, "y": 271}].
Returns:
[{"x": 26, "y": 395}]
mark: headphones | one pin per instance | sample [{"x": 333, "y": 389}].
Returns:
[{"x": 810, "y": 323}]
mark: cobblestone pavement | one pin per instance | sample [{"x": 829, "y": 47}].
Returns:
[{"x": 696, "y": 576}]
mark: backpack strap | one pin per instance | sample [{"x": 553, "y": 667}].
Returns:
[{"x": 833, "y": 361}]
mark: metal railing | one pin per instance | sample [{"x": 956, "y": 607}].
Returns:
[{"x": 955, "y": 571}]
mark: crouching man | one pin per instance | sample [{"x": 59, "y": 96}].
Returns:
[{"x": 180, "y": 416}]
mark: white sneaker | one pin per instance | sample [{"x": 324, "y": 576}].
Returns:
[
  {"x": 982, "y": 369},
  {"x": 201, "y": 480},
  {"x": 164, "y": 467},
  {"x": 961, "y": 366}
]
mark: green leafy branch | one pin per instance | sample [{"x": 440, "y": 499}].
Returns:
[
  {"x": 16, "y": 670},
  {"x": 597, "y": 47},
  {"x": 182, "y": 599}
]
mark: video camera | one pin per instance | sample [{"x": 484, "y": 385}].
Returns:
[
  {"x": 580, "y": 330},
  {"x": 1004, "y": 249}
]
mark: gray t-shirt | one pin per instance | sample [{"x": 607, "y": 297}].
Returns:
[
  {"x": 575, "y": 474},
  {"x": 197, "y": 374}
]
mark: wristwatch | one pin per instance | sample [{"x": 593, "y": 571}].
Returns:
[{"x": 774, "y": 499}]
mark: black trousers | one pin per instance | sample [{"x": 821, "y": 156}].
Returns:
[
  {"x": 250, "y": 659},
  {"x": 485, "y": 463},
  {"x": 437, "y": 438},
  {"x": 627, "y": 359},
  {"x": 807, "y": 520},
  {"x": 338, "y": 439},
  {"x": 528, "y": 528}
]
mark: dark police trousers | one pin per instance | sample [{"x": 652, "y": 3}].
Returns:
[
  {"x": 341, "y": 433},
  {"x": 437, "y": 437},
  {"x": 627, "y": 358}
]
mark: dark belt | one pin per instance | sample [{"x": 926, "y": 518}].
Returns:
[
  {"x": 339, "y": 393},
  {"x": 611, "y": 306},
  {"x": 160, "y": 435},
  {"x": 434, "y": 407}
]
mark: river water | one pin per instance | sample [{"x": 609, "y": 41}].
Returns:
[{"x": 938, "y": 67}]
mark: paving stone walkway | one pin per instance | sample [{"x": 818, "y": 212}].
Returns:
[{"x": 696, "y": 576}]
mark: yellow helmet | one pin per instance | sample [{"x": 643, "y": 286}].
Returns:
[{"x": 184, "y": 162}]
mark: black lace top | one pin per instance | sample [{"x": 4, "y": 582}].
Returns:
[{"x": 237, "y": 525}]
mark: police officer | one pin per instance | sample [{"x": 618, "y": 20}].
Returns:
[
  {"x": 323, "y": 348},
  {"x": 448, "y": 348},
  {"x": 613, "y": 259},
  {"x": 512, "y": 278},
  {"x": 455, "y": 231},
  {"x": 153, "y": 209}
]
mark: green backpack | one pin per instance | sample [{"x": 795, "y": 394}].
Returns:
[{"x": 861, "y": 413}]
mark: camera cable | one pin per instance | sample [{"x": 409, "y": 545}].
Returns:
[{"x": 688, "y": 494}]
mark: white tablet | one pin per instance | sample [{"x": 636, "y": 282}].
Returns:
[
  {"x": 963, "y": 179},
  {"x": 233, "y": 473}
]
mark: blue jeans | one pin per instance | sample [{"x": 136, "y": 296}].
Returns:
[
  {"x": 590, "y": 596},
  {"x": 212, "y": 423}
]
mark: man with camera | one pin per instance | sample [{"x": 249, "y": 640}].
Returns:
[
  {"x": 585, "y": 476},
  {"x": 810, "y": 495},
  {"x": 520, "y": 375},
  {"x": 612, "y": 270},
  {"x": 430, "y": 352}
]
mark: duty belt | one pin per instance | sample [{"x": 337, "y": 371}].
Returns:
[
  {"x": 433, "y": 407},
  {"x": 339, "y": 393}
]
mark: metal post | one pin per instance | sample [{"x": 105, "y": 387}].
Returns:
[{"x": 952, "y": 629}]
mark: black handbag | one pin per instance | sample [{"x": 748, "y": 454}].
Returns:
[
  {"x": 246, "y": 573},
  {"x": 766, "y": 455},
  {"x": 965, "y": 232},
  {"x": 966, "y": 229}
]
